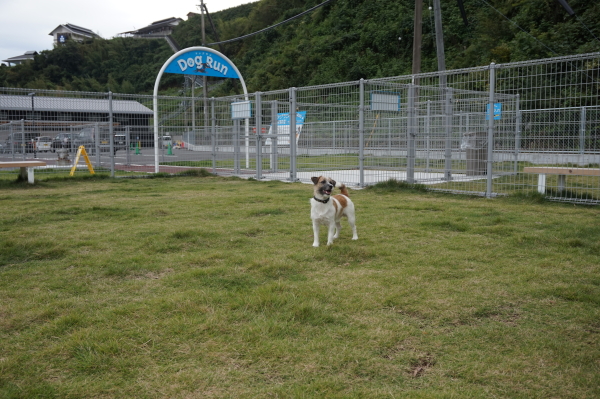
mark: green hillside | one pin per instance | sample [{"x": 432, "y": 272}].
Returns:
[{"x": 341, "y": 41}]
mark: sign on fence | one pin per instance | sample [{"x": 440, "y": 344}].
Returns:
[
  {"x": 241, "y": 110},
  {"x": 283, "y": 127},
  {"x": 385, "y": 101},
  {"x": 497, "y": 111}
]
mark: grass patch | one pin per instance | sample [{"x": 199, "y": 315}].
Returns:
[
  {"x": 393, "y": 185},
  {"x": 202, "y": 286}
]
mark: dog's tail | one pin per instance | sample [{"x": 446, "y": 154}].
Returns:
[{"x": 343, "y": 189}]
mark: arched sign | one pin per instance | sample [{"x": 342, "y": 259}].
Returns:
[{"x": 202, "y": 61}]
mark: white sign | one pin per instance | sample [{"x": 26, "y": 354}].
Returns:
[
  {"x": 241, "y": 110},
  {"x": 385, "y": 101}
]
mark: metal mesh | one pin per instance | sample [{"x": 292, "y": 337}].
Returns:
[{"x": 476, "y": 130}]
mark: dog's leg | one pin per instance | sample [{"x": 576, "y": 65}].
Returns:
[
  {"x": 330, "y": 233},
  {"x": 316, "y": 234},
  {"x": 338, "y": 227},
  {"x": 352, "y": 223}
]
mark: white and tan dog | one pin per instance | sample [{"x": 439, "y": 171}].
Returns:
[{"x": 328, "y": 210}]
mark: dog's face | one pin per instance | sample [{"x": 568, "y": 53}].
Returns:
[{"x": 323, "y": 186}]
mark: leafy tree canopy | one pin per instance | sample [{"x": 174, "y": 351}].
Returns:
[{"x": 342, "y": 41}]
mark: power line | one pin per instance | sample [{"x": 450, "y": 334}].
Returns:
[
  {"x": 585, "y": 26},
  {"x": 563, "y": 3},
  {"x": 272, "y": 26},
  {"x": 515, "y": 24},
  {"x": 534, "y": 38},
  {"x": 572, "y": 13}
]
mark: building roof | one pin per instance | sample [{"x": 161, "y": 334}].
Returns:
[
  {"x": 75, "y": 29},
  {"x": 156, "y": 26},
  {"x": 29, "y": 55},
  {"x": 63, "y": 104}
]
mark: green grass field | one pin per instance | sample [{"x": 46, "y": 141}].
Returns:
[{"x": 208, "y": 287}]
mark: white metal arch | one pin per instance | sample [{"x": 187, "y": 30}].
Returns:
[{"x": 157, "y": 83}]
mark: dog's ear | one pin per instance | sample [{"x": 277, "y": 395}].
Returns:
[
  {"x": 332, "y": 182},
  {"x": 314, "y": 179}
]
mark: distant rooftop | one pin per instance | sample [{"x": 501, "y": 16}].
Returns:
[
  {"x": 28, "y": 56},
  {"x": 164, "y": 27},
  {"x": 63, "y": 104}
]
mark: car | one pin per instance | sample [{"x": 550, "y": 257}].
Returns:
[
  {"x": 120, "y": 142},
  {"x": 63, "y": 140},
  {"x": 43, "y": 143},
  {"x": 14, "y": 142},
  {"x": 87, "y": 138},
  {"x": 166, "y": 142}
]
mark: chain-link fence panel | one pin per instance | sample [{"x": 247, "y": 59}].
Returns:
[{"x": 484, "y": 130}]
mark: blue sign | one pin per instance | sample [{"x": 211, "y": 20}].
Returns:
[
  {"x": 283, "y": 119},
  {"x": 62, "y": 37},
  {"x": 203, "y": 63},
  {"x": 497, "y": 111},
  {"x": 283, "y": 129}
]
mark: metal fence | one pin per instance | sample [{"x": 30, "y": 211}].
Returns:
[{"x": 484, "y": 131}]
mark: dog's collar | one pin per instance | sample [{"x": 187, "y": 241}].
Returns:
[{"x": 320, "y": 200}]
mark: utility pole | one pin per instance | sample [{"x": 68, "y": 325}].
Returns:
[
  {"x": 418, "y": 37},
  {"x": 439, "y": 41}
]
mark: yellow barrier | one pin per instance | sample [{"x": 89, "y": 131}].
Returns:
[{"x": 81, "y": 150}]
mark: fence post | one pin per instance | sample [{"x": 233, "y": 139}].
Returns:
[
  {"x": 258, "y": 146},
  {"x": 333, "y": 141},
  {"x": 213, "y": 134},
  {"x": 389, "y": 136},
  {"x": 428, "y": 134},
  {"x": 111, "y": 139},
  {"x": 410, "y": 159},
  {"x": 127, "y": 143},
  {"x": 361, "y": 133},
  {"x": 582, "y": 120},
  {"x": 490, "y": 137},
  {"x": 518, "y": 122},
  {"x": 274, "y": 132},
  {"x": 236, "y": 146},
  {"x": 23, "y": 143},
  {"x": 448, "y": 122},
  {"x": 293, "y": 166},
  {"x": 97, "y": 143},
  {"x": 12, "y": 140}
]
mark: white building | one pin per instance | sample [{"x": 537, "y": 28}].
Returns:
[{"x": 68, "y": 31}]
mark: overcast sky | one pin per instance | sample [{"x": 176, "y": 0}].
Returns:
[{"x": 25, "y": 25}]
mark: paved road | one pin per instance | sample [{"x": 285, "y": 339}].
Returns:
[
  {"x": 145, "y": 156},
  {"x": 142, "y": 161}
]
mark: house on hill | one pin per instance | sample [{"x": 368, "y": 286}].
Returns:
[
  {"x": 160, "y": 28},
  {"x": 28, "y": 56},
  {"x": 157, "y": 30},
  {"x": 68, "y": 31}
]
